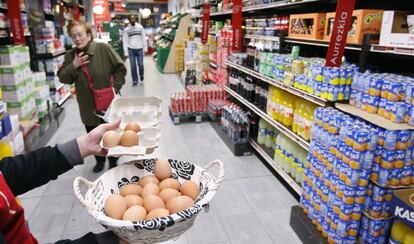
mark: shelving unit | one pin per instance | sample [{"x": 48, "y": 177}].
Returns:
[
  {"x": 290, "y": 89},
  {"x": 286, "y": 177},
  {"x": 50, "y": 55},
  {"x": 283, "y": 129},
  {"x": 259, "y": 37}
]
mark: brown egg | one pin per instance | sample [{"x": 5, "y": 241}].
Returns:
[
  {"x": 158, "y": 212},
  {"x": 168, "y": 193},
  {"x": 131, "y": 189},
  {"x": 135, "y": 213},
  {"x": 179, "y": 203},
  {"x": 148, "y": 179},
  {"x": 132, "y": 200},
  {"x": 129, "y": 138},
  {"x": 111, "y": 138},
  {"x": 162, "y": 169},
  {"x": 150, "y": 189},
  {"x": 133, "y": 126},
  {"x": 170, "y": 183},
  {"x": 152, "y": 202},
  {"x": 115, "y": 206},
  {"x": 190, "y": 188}
]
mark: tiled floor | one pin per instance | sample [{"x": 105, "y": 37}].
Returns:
[{"x": 251, "y": 206}]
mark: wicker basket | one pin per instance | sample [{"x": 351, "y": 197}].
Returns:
[{"x": 158, "y": 229}]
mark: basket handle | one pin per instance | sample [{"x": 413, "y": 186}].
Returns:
[
  {"x": 76, "y": 187},
  {"x": 213, "y": 163}
]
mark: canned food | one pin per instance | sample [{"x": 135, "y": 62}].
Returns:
[
  {"x": 365, "y": 101},
  {"x": 382, "y": 104},
  {"x": 364, "y": 177},
  {"x": 360, "y": 193},
  {"x": 355, "y": 99},
  {"x": 398, "y": 112},
  {"x": 375, "y": 227},
  {"x": 391, "y": 139},
  {"x": 342, "y": 229},
  {"x": 367, "y": 203},
  {"x": 353, "y": 228},
  {"x": 384, "y": 176},
  {"x": 386, "y": 87},
  {"x": 372, "y": 104},
  {"x": 368, "y": 159},
  {"x": 386, "y": 209},
  {"x": 389, "y": 106},
  {"x": 375, "y": 86},
  {"x": 403, "y": 139},
  {"x": 394, "y": 93},
  {"x": 349, "y": 195},
  {"x": 406, "y": 174},
  {"x": 395, "y": 177},
  {"x": 357, "y": 211},
  {"x": 360, "y": 140},
  {"x": 408, "y": 158},
  {"x": 399, "y": 156},
  {"x": 378, "y": 193}
]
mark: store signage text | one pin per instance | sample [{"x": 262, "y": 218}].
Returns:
[
  {"x": 16, "y": 25},
  {"x": 206, "y": 23},
  {"x": 340, "y": 30},
  {"x": 404, "y": 213},
  {"x": 237, "y": 19}
]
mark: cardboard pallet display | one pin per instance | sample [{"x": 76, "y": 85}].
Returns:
[{"x": 181, "y": 34}]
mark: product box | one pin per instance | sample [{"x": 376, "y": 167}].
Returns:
[
  {"x": 42, "y": 108},
  {"x": 14, "y": 92},
  {"x": 307, "y": 26},
  {"x": 394, "y": 30},
  {"x": 23, "y": 109},
  {"x": 18, "y": 144},
  {"x": 6, "y": 124},
  {"x": 402, "y": 205},
  {"x": 42, "y": 92},
  {"x": 364, "y": 21},
  {"x": 30, "y": 86},
  {"x": 14, "y": 55},
  {"x": 13, "y": 75}
]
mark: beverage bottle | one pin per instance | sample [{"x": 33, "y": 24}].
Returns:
[
  {"x": 261, "y": 136},
  {"x": 269, "y": 106},
  {"x": 250, "y": 53},
  {"x": 277, "y": 96},
  {"x": 236, "y": 129},
  {"x": 259, "y": 49},
  {"x": 308, "y": 120},
  {"x": 263, "y": 97},
  {"x": 290, "y": 106},
  {"x": 244, "y": 129},
  {"x": 297, "y": 117}
]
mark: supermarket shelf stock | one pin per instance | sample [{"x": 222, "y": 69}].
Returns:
[
  {"x": 290, "y": 89},
  {"x": 286, "y": 177},
  {"x": 319, "y": 43},
  {"x": 372, "y": 118},
  {"x": 258, "y": 37},
  {"x": 283, "y": 129}
]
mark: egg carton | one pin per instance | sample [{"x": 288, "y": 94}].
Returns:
[
  {"x": 157, "y": 229},
  {"x": 146, "y": 111},
  {"x": 149, "y": 139}
]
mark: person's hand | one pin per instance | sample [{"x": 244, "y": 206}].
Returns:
[
  {"x": 80, "y": 59},
  {"x": 89, "y": 144}
]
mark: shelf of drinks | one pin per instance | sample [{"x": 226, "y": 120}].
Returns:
[
  {"x": 290, "y": 89},
  {"x": 285, "y": 176},
  {"x": 372, "y": 118},
  {"x": 283, "y": 129},
  {"x": 259, "y": 37},
  {"x": 320, "y": 43},
  {"x": 221, "y": 13}
]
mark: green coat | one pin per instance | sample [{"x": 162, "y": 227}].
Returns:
[{"x": 103, "y": 61}]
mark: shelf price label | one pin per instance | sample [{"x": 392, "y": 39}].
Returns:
[
  {"x": 206, "y": 23},
  {"x": 343, "y": 18},
  {"x": 236, "y": 20},
  {"x": 16, "y": 25}
]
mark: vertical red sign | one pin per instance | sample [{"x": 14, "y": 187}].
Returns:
[
  {"x": 206, "y": 23},
  {"x": 237, "y": 26},
  {"x": 16, "y": 22},
  {"x": 100, "y": 11},
  {"x": 343, "y": 18}
]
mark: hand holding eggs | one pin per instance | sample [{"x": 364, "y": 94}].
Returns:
[{"x": 128, "y": 138}]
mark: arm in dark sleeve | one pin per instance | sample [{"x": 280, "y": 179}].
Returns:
[
  {"x": 107, "y": 237},
  {"x": 67, "y": 73},
  {"x": 118, "y": 68},
  {"x": 36, "y": 168}
]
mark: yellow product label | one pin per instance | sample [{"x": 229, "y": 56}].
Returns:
[{"x": 370, "y": 18}]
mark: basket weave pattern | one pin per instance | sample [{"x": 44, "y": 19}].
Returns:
[{"x": 154, "y": 230}]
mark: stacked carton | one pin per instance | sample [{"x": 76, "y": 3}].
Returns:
[
  {"x": 42, "y": 93},
  {"x": 16, "y": 82}
]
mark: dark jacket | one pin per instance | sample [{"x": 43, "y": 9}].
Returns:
[{"x": 103, "y": 62}]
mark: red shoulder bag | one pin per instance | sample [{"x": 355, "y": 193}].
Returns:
[{"x": 102, "y": 97}]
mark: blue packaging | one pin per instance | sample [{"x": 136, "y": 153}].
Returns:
[
  {"x": 364, "y": 101},
  {"x": 387, "y": 224},
  {"x": 375, "y": 208},
  {"x": 398, "y": 112},
  {"x": 394, "y": 94},
  {"x": 372, "y": 239},
  {"x": 403, "y": 139},
  {"x": 357, "y": 210},
  {"x": 342, "y": 229},
  {"x": 361, "y": 139},
  {"x": 368, "y": 159},
  {"x": 378, "y": 193},
  {"x": 375, "y": 86},
  {"x": 395, "y": 176},
  {"x": 353, "y": 228},
  {"x": 381, "y": 137},
  {"x": 386, "y": 209},
  {"x": 364, "y": 223},
  {"x": 367, "y": 203},
  {"x": 408, "y": 158},
  {"x": 406, "y": 174},
  {"x": 364, "y": 177},
  {"x": 391, "y": 139},
  {"x": 372, "y": 140},
  {"x": 382, "y": 106},
  {"x": 386, "y": 87},
  {"x": 360, "y": 193},
  {"x": 411, "y": 119},
  {"x": 383, "y": 176},
  {"x": 375, "y": 227}
]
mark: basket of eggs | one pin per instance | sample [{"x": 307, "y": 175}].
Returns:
[
  {"x": 151, "y": 200},
  {"x": 131, "y": 140}
]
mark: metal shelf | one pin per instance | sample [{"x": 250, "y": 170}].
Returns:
[
  {"x": 319, "y": 43},
  {"x": 268, "y": 38},
  {"x": 283, "y": 129},
  {"x": 392, "y": 50},
  {"x": 290, "y": 89},
  {"x": 286, "y": 177},
  {"x": 221, "y": 13},
  {"x": 50, "y": 55}
]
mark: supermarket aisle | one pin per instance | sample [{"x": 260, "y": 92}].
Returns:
[{"x": 252, "y": 206}]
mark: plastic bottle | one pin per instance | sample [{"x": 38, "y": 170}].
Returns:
[
  {"x": 261, "y": 136},
  {"x": 277, "y": 96},
  {"x": 298, "y": 116},
  {"x": 289, "y": 109},
  {"x": 270, "y": 100}
]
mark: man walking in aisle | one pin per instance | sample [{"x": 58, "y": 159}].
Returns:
[{"x": 135, "y": 46}]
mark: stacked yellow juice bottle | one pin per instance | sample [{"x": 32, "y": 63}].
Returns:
[{"x": 401, "y": 233}]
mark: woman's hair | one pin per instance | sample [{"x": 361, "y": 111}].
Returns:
[{"x": 85, "y": 25}]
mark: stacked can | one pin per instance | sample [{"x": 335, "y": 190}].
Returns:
[
  {"x": 374, "y": 230},
  {"x": 389, "y": 95},
  {"x": 393, "y": 159},
  {"x": 337, "y": 174},
  {"x": 378, "y": 202}
]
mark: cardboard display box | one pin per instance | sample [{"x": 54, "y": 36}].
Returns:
[
  {"x": 307, "y": 26},
  {"x": 14, "y": 55},
  {"x": 394, "y": 30},
  {"x": 402, "y": 205},
  {"x": 364, "y": 21}
]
